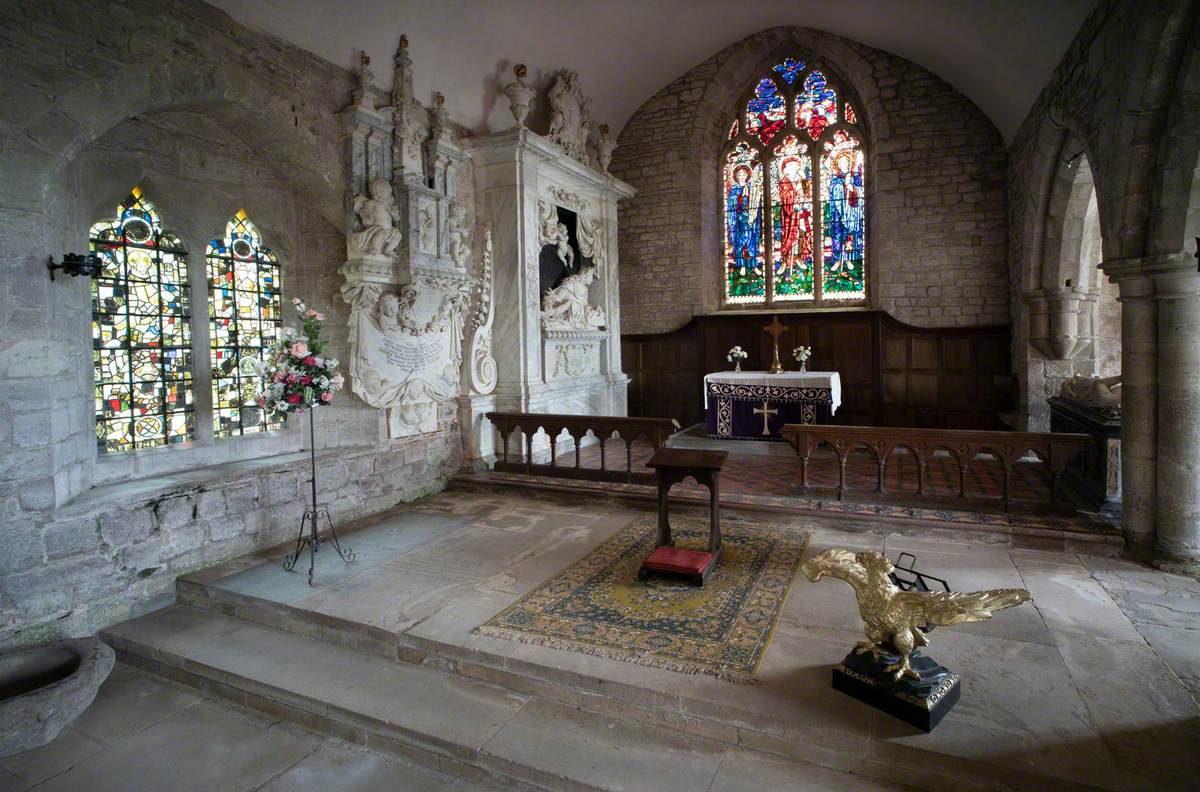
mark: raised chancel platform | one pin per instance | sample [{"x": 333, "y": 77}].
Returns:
[{"x": 385, "y": 653}]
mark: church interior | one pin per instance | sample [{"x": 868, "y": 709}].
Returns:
[{"x": 599, "y": 395}]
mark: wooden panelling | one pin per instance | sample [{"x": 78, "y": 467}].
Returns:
[{"x": 892, "y": 374}]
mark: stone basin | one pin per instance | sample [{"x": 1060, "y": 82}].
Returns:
[{"x": 44, "y": 688}]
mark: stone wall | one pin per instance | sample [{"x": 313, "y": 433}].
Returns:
[
  {"x": 209, "y": 117},
  {"x": 935, "y": 167}
]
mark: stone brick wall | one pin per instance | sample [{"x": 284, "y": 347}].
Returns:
[
  {"x": 936, "y": 223},
  {"x": 209, "y": 117}
]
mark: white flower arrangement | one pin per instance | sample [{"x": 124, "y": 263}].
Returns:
[
  {"x": 737, "y": 354},
  {"x": 802, "y": 353}
]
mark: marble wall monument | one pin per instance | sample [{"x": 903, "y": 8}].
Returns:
[
  {"x": 407, "y": 253},
  {"x": 557, "y": 345}
]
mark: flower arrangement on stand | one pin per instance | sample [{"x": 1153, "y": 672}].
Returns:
[
  {"x": 735, "y": 356},
  {"x": 298, "y": 377},
  {"x": 802, "y": 354}
]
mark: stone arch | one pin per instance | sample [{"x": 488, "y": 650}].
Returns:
[
  {"x": 296, "y": 144},
  {"x": 1175, "y": 218}
]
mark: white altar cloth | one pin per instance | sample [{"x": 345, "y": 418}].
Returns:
[{"x": 784, "y": 379}]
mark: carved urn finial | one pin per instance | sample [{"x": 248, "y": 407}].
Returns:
[
  {"x": 520, "y": 94},
  {"x": 403, "y": 41},
  {"x": 605, "y": 146},
  {"x": 439, "y": 99}
]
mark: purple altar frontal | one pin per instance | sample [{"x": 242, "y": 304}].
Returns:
[{"x": 753, "y": 405}]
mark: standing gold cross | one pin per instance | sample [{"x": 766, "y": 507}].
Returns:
[{"x": 775, "y": 329}]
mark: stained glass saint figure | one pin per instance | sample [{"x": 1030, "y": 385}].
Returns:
[
  {"x": 743, "y": 225},
  {"x": 842, "y": 194},
  {"x": 791, "y": 198}
]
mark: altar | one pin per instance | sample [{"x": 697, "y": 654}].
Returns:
[{"x": 753, "y": 405}]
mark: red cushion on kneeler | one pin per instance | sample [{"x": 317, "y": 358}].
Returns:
[{"x": 678, "y": 559}]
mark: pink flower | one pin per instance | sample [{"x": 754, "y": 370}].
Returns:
[
  {"x": 292, "y": 379},
  {"x": 262, "y": 401},
  {"x": 310, "y": 312},
  {"x": 293, "y": 398},
  {"x": 327, "y": 396},
  {"x": 320, "y": 317},
  {"x": 338, "y": 380},
  {"x": 309, "y": 360},
  {"x": 306, "y": 380},
  {"x": 280, "y": 376},
  {"x": 300, "y": 350}
]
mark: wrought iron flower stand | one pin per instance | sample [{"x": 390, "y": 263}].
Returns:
[{"x": 312, "y": 539}]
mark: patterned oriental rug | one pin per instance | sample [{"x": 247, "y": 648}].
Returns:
[{"x": 597, "y": 605}]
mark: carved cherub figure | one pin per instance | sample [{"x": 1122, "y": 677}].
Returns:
[
  {"x": 389, "y": 312},
  {"x": 378, "y": 213},
  {"x": 460, "y": 235},
  {"x": 895, "y": 621},
  {"x": 562, "y": 241}
]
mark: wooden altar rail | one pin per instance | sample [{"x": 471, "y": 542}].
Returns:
[
  {"x": 1054, "y": 449},
  {"x": 604, "y": 427}
]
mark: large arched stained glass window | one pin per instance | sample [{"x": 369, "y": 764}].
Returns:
[
  {"x": 794, "y": 193},
  {"x": 244, "y": 319},
  {"x": 140, "y": 331}
]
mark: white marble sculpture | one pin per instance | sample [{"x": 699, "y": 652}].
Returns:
[
  {"x": 570, "y": 116},
  {"x": 378, "y": 214},
  {"x": 481, "y": 371},
  {"x": 1103, "y": 393},
  {"x": 460, "y": 235},
  {"x": 520, "y": 94},
  {"x": 566, "y": 307},
  {"x": 605, "y": 146}
]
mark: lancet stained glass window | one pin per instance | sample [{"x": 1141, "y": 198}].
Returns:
[
  {"x": 745, "y": 279},
  {"x": 141, "y": 337},
  {"x": 244, "y": 318},
  {"x": 791, "y": 220},
  {"x": 794, "y": 193},
  {"x": 841, "y": 195}
]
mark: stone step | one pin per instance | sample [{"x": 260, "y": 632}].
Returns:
[
  {"x": 444, "y": 721},
  {"x": 788, "y": 739}
]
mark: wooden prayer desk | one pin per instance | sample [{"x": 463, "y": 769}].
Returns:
[{"x": 673, "y": 465}]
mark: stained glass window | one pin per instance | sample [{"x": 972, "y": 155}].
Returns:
[
  {"x": 745, "y": 279},
  {"x": 792, "y": 221},
  {"x": 843, "y": 275},
  {"x": 816, "y": 105},
  {"x": 802, "y": 173},
  {"x": 141, "y": 339},
  {"x": 789, "y": 69},
  {"x": 244, "y": 318},
  {"x": 766, "y": 112}
]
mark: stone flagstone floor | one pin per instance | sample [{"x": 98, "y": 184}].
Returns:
[{"x": 1095, "y": 683}]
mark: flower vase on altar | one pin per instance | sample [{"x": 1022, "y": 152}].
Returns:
[
  {"x": 298, "y": 378},
  {"x": 735, "y": 356}
]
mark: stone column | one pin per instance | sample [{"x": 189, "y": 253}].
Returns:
[
  {"x": 1177, "y": 293},
  {"x": 1139, "y": 416}
]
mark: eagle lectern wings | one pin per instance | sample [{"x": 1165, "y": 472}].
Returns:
[{"x": 897, "y": 620}]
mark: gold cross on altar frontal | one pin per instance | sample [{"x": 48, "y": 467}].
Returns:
[
  {"x": 766, "y": 414},
  {"x": 775, "y": 329}
]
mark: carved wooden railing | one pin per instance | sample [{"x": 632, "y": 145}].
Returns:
[
  {"x": 606, "y": 428},
  {"x": 1054, "y": 449}
]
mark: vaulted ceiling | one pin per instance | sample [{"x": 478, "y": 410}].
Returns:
[{"x": 999, "y": 53}]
